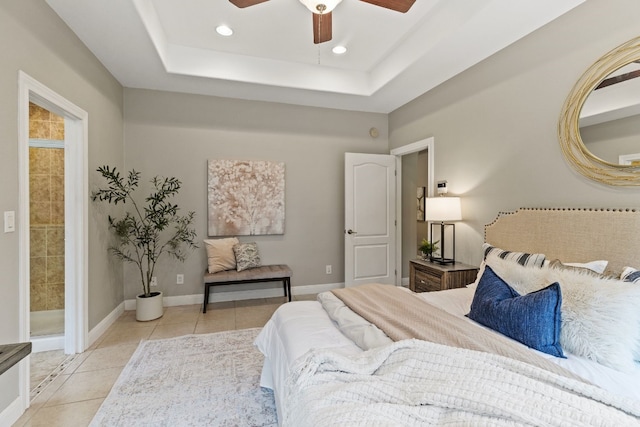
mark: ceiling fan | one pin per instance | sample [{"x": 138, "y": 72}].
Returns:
[{"x": 321, "y": 10}]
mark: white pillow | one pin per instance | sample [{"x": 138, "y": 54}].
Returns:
[
  {"x": 596, "y": 266},
  {"x": 220, "y": 255},
  {"x": 600, "y": 315}
]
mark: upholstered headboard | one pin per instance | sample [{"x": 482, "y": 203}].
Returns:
[{"x": 571, "y": 234}]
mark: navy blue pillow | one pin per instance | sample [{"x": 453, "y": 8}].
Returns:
[{"x": 532, "y": 319}]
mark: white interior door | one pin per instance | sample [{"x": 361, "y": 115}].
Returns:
[{"x": 370, "y": 219}]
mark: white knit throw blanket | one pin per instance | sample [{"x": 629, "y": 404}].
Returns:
[{"x": 413, "y": 382}]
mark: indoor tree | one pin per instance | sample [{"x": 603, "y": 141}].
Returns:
[{"x": 148, "y": 231}]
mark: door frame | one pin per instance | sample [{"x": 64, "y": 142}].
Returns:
[
  {"x": 76, "y": 213},
  {"x": 423, "y": 144}
]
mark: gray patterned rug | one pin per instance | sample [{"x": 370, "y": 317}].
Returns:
[{"x": 194, "y": 380}]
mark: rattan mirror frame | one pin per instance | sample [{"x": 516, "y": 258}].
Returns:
[{"x": 573, "y": 148}]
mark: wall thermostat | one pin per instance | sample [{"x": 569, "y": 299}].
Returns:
[{"x": 442, "y": 187}]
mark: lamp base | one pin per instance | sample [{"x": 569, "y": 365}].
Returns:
[{"x": 442, "y": 261}]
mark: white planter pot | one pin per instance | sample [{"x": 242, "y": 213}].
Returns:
[{"x": 149, "y": 308}]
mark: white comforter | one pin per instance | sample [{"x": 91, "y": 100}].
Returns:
[
  {"x": 298, "y": 327},
  {"x": 415, "y": 382}
]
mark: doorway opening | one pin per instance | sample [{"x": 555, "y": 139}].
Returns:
[
  {"x": 408, "y": 228},
  {"x": 46, "y": 223}
]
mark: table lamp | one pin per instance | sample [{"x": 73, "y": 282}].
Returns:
[{"x": 440, "y": 210}]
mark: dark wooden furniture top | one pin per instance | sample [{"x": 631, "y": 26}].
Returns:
[
  {"x": 427, "y": 276},
  {"x": 10, "y": 354}
]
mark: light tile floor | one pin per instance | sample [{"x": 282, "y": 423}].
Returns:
[{"x": 76, "y": 393}]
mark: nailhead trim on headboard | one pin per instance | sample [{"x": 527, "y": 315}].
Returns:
[
  {"x": 571, "y": 234},
  {"x": 503, "y": 213}
]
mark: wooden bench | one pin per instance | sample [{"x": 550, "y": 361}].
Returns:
[{"x": 265, "y": 273}]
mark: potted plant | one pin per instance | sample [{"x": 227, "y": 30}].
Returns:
[
  {"x": 148, "y": 231},
  {"x": 427, "y": 248}
]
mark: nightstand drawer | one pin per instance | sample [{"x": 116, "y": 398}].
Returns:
[
  {"x": 426, "y": 276},
  {"x": 426, "y": 282}
]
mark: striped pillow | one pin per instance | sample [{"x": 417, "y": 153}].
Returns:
[
  {"x": 630, "y": 274},
  {"x": 522, "y": 258}
]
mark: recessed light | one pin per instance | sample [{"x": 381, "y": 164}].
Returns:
[
  {"x": 223, "y": 30},
  {"x": 339, "y": 50}
]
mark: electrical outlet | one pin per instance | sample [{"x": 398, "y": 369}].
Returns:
[
  {"x": 154, "y": 281},
  {"x": 180, "y": 279},
  {"x": 328, "y": 269}
]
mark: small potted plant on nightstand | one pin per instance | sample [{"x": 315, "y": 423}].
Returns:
[
  {"x": 147, "y": 231},
  {"x": 427, "y": 248}
]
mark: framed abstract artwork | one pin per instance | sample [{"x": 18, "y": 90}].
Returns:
[
  {"x": 245, "y": 198},
  {"x": 420, "y": 195}
]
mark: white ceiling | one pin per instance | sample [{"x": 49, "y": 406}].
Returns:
[{"x": 391, "y": 59}]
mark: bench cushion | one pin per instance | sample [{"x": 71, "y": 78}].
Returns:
[{"x": 263, "y": 272}]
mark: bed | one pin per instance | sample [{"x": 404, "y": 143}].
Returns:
[{"x": 382, "y": 355}]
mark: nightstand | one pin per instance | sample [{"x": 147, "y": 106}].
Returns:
[{"x": 427, "y": 276}]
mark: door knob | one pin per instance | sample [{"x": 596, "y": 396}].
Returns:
[{"x": 350, "y": 231}]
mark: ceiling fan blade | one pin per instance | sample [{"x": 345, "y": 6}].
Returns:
[
  {"x": 397, "y": 5},
  {"x": 322, "y": 27},
  {"x": 246, "y": 3}
]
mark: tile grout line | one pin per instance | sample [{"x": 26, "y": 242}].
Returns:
[{"x": 35, "y": 392}]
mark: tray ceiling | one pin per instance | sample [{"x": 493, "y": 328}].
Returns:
[{"x": 391, "y": 59}]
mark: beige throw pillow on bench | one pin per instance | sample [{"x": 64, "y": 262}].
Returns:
[{"x": 220, "y": 255}]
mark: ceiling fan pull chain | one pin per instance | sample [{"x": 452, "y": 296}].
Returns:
[{"x": 321, "y": 8}]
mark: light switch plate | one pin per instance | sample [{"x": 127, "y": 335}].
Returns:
[{"x": 9, "y": 221}]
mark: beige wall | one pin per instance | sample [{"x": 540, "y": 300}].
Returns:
[
  {"x": 422, "y": 227},
  {"x": 410, "y": 172},
  {"x": 175, "y": 134},
  {"x": 35, "y": 40},
  {"x": 495, "y": 124},
  {"x": 415, "y": 173}
]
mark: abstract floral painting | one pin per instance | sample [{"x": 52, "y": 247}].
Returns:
[
  {"x": 245, "y": 198},
  {"x": 421, "y": 193}
]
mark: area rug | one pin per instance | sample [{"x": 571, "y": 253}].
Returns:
[{"x": 193, "y": 380}]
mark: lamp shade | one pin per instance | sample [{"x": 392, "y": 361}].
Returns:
[
  {"x": 312, "y": 5},
  {"x": 442, "y": 209}
]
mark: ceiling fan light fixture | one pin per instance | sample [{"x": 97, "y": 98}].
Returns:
[
  {"x": 223, "y": 30},
  {"x": 320, "y": 6}
]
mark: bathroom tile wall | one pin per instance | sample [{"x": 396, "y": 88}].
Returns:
[{"x": 46, "y": 191}]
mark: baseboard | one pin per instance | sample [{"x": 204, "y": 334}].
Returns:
[
  {"x": 56, "y": 342},
  {"x": 11, "y": 413},
  {"x": 104, "y": 324},
  {"x": 170, "y": 301},
  {"x": 47, "y": 343}
]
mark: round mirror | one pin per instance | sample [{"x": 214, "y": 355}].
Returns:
[{"x": 599, "y": 128}]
